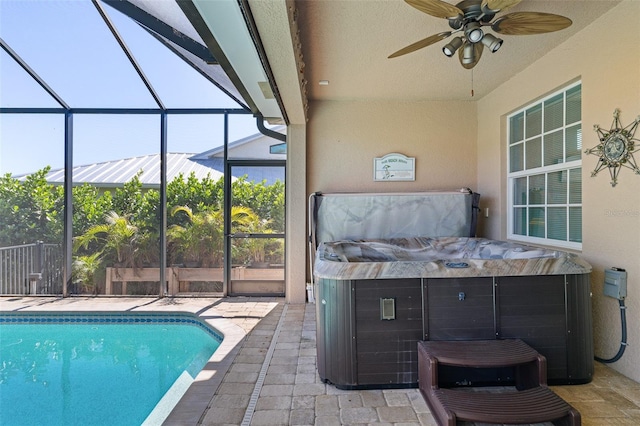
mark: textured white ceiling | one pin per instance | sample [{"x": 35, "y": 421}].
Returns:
[{"x": 348, "y": 41}]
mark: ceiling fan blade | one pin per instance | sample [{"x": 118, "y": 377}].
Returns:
[
  {"x": 478, "y": 48},
  {"x": 499, "y": 4},
  {"x": 420, "y": 44},
  {"x": 437, "y": 8},
  {"x": 527, "y": 23}
]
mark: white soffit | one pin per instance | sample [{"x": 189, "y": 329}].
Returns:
[{"x": 226, "y": 23}]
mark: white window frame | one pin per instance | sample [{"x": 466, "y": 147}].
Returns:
[{"x": 565, "y": 166}]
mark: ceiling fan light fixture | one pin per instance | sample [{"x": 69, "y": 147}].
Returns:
[
  {"x": 473, "y": 32},
  {"x": 469, "y": 16},
  {"x": 468, "y": 54},
  {"x": 450, "y": 48},
  {"x": 492, "y": 42}
]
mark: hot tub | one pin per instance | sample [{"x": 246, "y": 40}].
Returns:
[{"x": 376, "y": 297}]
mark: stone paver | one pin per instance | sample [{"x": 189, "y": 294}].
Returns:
[{"x": 350, "y": 416}]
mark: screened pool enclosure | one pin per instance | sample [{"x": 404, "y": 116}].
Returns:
[{"x": 130, "y": 162}]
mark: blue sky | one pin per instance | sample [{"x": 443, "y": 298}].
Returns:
[{"x": 69, "y": 46}]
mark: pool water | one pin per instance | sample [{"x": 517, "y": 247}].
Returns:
[{"x": 96, "y": 373}]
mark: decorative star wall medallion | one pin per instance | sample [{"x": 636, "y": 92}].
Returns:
[{"x": 616, "y": 147}]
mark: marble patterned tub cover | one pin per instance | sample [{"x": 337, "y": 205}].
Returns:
[
  {"x": 424, "y": 257},
  {"x": 394, "y": 215},
  {"x": 430, "y": 249}
]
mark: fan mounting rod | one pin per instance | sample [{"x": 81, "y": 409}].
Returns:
[{"x": 472, "y": 12}]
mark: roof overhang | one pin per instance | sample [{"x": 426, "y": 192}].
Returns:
[{"x": 225, "y": 28}]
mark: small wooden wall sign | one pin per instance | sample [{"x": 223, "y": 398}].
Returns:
[{"x": 394, "y": 167}]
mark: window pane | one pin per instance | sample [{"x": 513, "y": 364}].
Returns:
[
  {"x": 553, "y": 148},
  {"x": 195, "y": 192},
  {"x": 516, "y": 129},
  {"x": 536, "y": 189},
  {"x": 516, "y": 158},
  {"x": 520, "y": 221},
  {"x": 534, "y": 121},
  {"x": 553, "y": 109},
  {"x": 575, "y": 224},
  {"x": 19, "y": 89},
  {"x": 117, "y": 215},
  {"x": 557, "y": 187},
  {"x": 534, "y": 153},
  {"x": 575, "y": 186},
  {"x": 545, "y": 175},
  {"x": 557, "y": 223},
  {"x": 574, "y": 142},
  {"x": 31, "y": 217},
  {"x": 520, "y": 191},
  {"x": 536, "y": 222},
  {"x": 574, "y": 104},
  {"x": 25, "y": 146},
  {"x": 259, "y": 188}
]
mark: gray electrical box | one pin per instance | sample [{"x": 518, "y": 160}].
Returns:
[{"x": 615, "y": 283}]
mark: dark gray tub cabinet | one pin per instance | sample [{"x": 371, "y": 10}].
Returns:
[{"x": 368, "y": 330}]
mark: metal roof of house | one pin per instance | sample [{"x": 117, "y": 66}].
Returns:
[
  {"x": 111, "y": 174},
  {"x": 116, "y": 173}
]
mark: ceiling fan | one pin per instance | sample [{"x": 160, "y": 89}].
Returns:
[{"x": 469, "y": 17}]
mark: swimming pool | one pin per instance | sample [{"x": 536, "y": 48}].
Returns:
[{"x": 98, "y": 368}]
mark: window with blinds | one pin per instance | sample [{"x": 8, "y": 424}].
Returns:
[{"x": 545, "y": 171}]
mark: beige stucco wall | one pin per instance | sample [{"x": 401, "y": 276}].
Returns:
[
  {"x": 296, "y": 212},
  {"x": 606, "y": 57},
  {"x": 344, "y": 138}
]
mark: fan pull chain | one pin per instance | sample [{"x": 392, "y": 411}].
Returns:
[{"x": 472, "y": 82}]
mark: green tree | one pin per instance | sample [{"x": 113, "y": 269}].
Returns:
[
  {"x": 89, "y": 207},
  {"x": 201, "y": 239},
  {"x": 84, "y": 271},
  {"x": 116, "y": 240},
  {"x": 29, "y": 210},
  {"x": 267, "y": 201},
  {"x": 203, "y": 194},
  {"x": 128, "y": 200}
]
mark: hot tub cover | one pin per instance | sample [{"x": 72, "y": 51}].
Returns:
[{"x": 353, "y": 216}]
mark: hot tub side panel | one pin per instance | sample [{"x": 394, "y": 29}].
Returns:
[
  {"x": 580, "y": 334},
  {"x": 386, "y": 348},
  {"x": 551, "y": 313},
  {"x": 335, "y": 332},
  {"x": 459, "y": 309},
  {"x": 532, "y": 308}
]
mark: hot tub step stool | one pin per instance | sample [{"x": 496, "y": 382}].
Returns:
[{"x": 532, "y": 402}]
